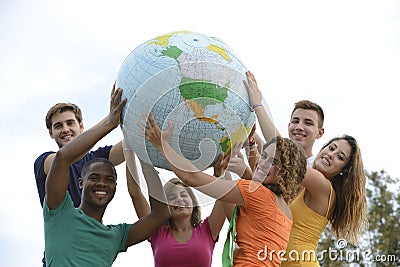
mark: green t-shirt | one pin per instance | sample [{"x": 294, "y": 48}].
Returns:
[{"x": 74, "y": 239}]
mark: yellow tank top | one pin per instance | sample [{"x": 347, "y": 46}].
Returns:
[{"x": 304, "y": 236}]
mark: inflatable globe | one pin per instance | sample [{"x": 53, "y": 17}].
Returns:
[{"x": 193, "y": 80}]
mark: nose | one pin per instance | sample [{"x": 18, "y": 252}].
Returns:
[
  {"x": 299, "y": 127},
  {"x": 65, "y": 128}
]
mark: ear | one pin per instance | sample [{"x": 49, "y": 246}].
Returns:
[
  {"x": 320, "y": 133},
  {"x": 81, "y": 127},
  {"x": 51, "y": 134},
  {"x": 80, "y": 183}
]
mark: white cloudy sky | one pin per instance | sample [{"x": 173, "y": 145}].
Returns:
[{"x": 344, "y": 55}]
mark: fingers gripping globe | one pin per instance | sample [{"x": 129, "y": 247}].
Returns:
[{"x": 194, "y": 81}]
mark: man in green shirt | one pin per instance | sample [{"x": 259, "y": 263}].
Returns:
[{"x": 77, "y": 236}]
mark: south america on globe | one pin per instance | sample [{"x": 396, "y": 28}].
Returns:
[{"x": 193, "y": 80}]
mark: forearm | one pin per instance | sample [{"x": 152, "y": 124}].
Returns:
[
  {"x": 139, "y": 201},
  {"x": 268, "y": 128},
  {"x": 184, "y": 169},
  {"x": 73, "y": 151},
  {"x": 157, "y": 198}
]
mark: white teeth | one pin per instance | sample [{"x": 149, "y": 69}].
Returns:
[
  {"x": 326, "y": 161},
  {"x": 100, "y": 192}
]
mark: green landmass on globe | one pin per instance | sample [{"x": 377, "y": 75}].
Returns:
[{"x": 194, "y": 80}]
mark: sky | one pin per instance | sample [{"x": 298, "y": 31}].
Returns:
[{"x": 343, "y": 55}]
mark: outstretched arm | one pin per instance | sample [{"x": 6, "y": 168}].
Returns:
[
  {"x": 185, "y": 170},
  {"x": 267, "y": 126},
  {"x": 159, "y": 214},
  {"x": 139, "y": 201},
  {"x": 58, "y": 177}
]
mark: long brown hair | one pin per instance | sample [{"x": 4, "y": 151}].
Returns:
[
  {"x": 195, "y": 218},
  {"x": 349, "y": 215}
]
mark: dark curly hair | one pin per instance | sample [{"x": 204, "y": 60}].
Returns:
[{"x": 291, "y": 166}]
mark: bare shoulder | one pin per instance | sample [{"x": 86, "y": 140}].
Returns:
[
  {"x": 316, "y": 183},
  {"x": 48, "y": 161}
]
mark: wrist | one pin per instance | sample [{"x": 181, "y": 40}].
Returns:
[{"x": 256, "y": 106}]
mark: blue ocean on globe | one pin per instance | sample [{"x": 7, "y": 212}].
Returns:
[{"x": 193, "y": 80}]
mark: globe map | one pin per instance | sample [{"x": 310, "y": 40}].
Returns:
[{"x": 193, "y": 80}]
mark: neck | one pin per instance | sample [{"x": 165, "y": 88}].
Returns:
[
  {"x": 95, "y": 213},
  {"x": 183, "y": 225}
]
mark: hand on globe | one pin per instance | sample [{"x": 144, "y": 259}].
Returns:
[
  {"x": 153, "y": 133},
  {"x": 255, "y": 96}
]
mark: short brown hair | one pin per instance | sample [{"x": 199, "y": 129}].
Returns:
[
  {"x": 60, "y": 108},
  {"x": 307, "y": 104}
]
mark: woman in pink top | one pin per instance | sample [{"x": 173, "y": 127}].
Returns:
[
  {"x": 264, "y": 219},
  {"x": 185, "y": 239}
]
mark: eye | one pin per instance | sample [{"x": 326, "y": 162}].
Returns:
[
  {"x": 185, "y": 195},
  {"x": 57, "y": 126},
  {"x": 340, "y": 157},
  {"x": 110, "y": 179}
]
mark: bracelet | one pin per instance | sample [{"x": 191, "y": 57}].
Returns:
[
  {"x": 252, "y": 142},
  {"x": 256, "y": 105},
  {"x": 221, "y": 176},
  {"x": 251, "y": 148}
]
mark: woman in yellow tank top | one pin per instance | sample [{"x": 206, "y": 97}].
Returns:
[{"x": 334, "y": 191}]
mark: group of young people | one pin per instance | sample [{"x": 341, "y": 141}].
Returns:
[{"x": 277, "y": 210}]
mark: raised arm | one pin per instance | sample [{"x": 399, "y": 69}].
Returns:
[
  {"x": 268, "y": 128},
  {"x": 58, "y": 177},
  {"x": 139, "y": 201},
  {"x": 117, "y": 154},
  {"x": 185, "y": 170},
  {"x": 159, "y": 214}
]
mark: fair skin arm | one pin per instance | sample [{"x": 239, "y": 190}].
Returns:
[
  {"x": 116, "y": 154},
  {"x": 268, "y": 128},
  {"x": 188, "y": 173},
  {"x": 58, "y": 177},
  {"x": 317, "y": 191},
  {"x": 139, "y": 201},
  {"x": 316, "y": 185}
]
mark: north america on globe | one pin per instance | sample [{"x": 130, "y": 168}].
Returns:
[{"x": 193, "y": 80}]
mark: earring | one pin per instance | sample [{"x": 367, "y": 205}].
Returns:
[{"x": 341, "y": 173}]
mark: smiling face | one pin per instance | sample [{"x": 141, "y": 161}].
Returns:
[
  {"x": 64, "y": 127},
  {"x": 333, "y": 158},
  {"x": 99, "y": 184},
  {"x": 265, "y": 172},
  {"x": 180, "y": 202},
  {"x": 303, "y": 129}
]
